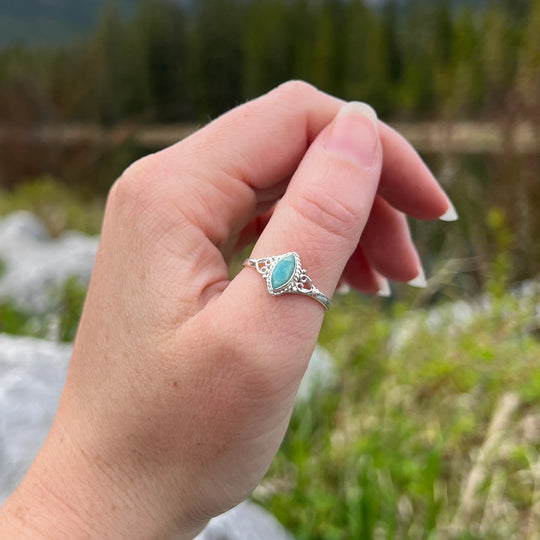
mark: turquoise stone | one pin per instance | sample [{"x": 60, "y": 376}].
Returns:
[{"x": 283, "y": 272}]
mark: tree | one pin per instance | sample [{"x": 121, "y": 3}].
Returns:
[
  {"x": 216, "y": 59},
  {"x": 498, "y": 42},
  {"x": 365, "y": 58},
  {"x": 528, "y": 77},
  {"x": 390, "y": 24},
  {"x": 119, "y": 83},
  {"x": 327, "y": 61},
  {"x": 465, "y": 86},
  {"x": 159, "y": 31},
  {"x": 267, "y": 46}
]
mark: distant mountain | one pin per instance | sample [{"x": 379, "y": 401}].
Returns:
[{"x": 51, "y": 21}]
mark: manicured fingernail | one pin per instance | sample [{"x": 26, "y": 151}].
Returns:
[
  {"x": 343, "y": 289},
  {"x": 384, "y": 288},
  {"x": 419, "y": 281},
  {"x": 363, "y": 109},
  {"x": 450, "y": 214},
  {"x": 354, "y": 134}
]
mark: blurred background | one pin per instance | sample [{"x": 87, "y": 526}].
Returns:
[{"x": 432, "y": 425}]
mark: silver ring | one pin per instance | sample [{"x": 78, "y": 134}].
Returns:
[{"x": 284, "y": 275}]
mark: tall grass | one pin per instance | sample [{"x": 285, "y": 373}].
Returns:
[{"x": 436, "y": 436}]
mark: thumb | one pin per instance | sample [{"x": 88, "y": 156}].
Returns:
[{"x": 320, "y": 217}]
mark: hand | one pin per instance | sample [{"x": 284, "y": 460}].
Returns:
[{"x": 182, "y": 382}]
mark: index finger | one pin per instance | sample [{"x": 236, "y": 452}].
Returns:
[{"x": 262, "y": 142}]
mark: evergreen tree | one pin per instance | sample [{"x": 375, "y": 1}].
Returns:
[
  {"x": 365, "y": 58},
  {"x": 216, "y": 60},
  {"x": 528, "y": 78},
  {"x": 327, "y": 63},
  {"x": 175, "y": 61},
  {"x": 417, "y": 93},
  {"x": 498, "y": 41},
  {"x": 302, "y": 28},
  {"x": 394, "y": 58},
  {"x": 465, "y": 85},
  {"x": 442, "y": 33},
  {"x": 118, "y": 87},
  {"x": 267, "y": 46},
  {"x": 160, "y": 32}
]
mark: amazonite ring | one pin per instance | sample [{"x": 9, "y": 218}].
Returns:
[{"x": 284, "y": 275}]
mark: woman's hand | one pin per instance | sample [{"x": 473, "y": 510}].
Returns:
[{"x": 182, "y": 382}]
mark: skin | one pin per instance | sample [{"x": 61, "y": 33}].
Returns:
[{"x": 182, "y": 382}]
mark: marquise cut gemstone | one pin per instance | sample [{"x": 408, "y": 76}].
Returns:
[{"x": 283, "y": 272}]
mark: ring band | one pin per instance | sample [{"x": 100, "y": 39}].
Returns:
[{"x": 284, "y": 275}]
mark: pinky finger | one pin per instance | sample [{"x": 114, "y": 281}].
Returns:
[{"x": 362, "y": 277}]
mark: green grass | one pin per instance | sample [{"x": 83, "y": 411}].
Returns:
[
  {"x": 59, "y": 324},
  {"x": 388, "y": 453},
  {"x": 57, "y": 205}
]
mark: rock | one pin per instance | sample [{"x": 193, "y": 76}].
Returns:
[
  {"x": 32, "y": 374},
  {"x": 320, "y": 375},
  {"x": 247, "y": 521},
  {"x": 23, "y": 225},
  {"x": 35, "y": 266}
]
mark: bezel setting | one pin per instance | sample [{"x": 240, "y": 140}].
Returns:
[
  {"x": 298, "y": 283},
  {"x": 292, "y": 283}
]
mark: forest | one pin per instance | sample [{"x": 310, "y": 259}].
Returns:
[{"x": 173, "y": 62}]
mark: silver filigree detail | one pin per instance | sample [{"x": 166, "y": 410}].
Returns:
[{"x": 300, "y": 283}]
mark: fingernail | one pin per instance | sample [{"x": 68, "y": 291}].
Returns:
[
  {"x": 363, "y": 109},
  {"x": 419, "y": 281},
  {"x": 354, "y": 134},
  {"x": 384, "y": 288},
  {"x": 450, "y": 214}
]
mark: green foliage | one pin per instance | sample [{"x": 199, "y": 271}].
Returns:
[
  {"x": 17, "y": 322},
  {"x": 500, "y": 275},
  {"x": 217, "y": 56},
  {"x": 529, "y": 61},
  {"x": 159, "y": 35},
  {"x": 387, "y": 454},
  {"x": 70, "y": 304},
  {"x": 365, "y": 58},
  {"x": 172, "y": 61},
  {"x": 115, "y": 59},
  {"x": 267, "y": 49},
  {"x": 58, "y": 206},
  {"x": 58, "y": 324}
]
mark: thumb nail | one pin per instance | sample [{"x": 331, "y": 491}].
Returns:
[{"x": 354, "y": 134}]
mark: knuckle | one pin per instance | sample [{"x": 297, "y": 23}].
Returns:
[
  {"x": 296, "y": 91},
  {"x": 329, "y": 214},
  {"x": 134, "y": 187}
]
